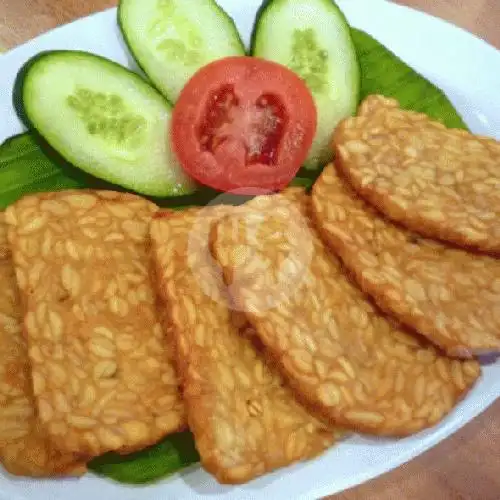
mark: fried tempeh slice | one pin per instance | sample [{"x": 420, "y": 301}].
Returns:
[
  {"x": 350, "y": 363},
  {"x": 245, "y": 421},
  {"x": 441, "y": 183},
  {"x": 102, "y": 370},
  {"x": 24, "y": 449},
  {"x": 449, "y": 295}
]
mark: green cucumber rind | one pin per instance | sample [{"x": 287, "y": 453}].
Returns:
[
  {"x": 20, "y": 98},
  {"x": 121, "y": 24},
  {"x": 260, "y": 12}
]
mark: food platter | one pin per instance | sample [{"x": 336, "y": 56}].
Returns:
[{"x": 472, "y": 89}]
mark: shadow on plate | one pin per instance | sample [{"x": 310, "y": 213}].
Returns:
[
  {"x": 203, "y": 483},
  {"x": 488, "y": 359},
  {"x": 20, "y": 480}
]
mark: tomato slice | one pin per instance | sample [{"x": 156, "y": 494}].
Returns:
[{"x": 243, "y": 122}]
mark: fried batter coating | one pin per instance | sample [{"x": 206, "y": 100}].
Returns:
[
  {"x": 245, "y": 421},
  {"x": 447, "y": 294},
  {"x": 441, "y": 183},
  {"x": 350, "y": 363},
  {"x": 102, "y": 369},
  {"x": 24, "y": 448}
]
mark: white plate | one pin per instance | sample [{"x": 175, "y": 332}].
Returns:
[{"x": 469, "y": 71}]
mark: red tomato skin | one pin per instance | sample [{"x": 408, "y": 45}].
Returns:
[{"x": 226, "y": 168}]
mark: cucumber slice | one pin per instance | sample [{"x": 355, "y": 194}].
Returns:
[
  {"x": 172, "y": 39},
  {"x": 104, "y": 119},
  {"x": 312, "y": 38},
  {"x": 385, "y": 73}
]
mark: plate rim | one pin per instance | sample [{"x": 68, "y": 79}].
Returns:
[{"x": 427, "y": 16}]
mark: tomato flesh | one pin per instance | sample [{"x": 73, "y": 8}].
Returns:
[
  {"x": 243, "y": 122},
  {"x": 254, "y": 128}
]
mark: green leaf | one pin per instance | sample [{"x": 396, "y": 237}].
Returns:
[
  {"x": 149, "y": 465},
  {"x": 25, "y": 167},
  {"x": 382, "y": 72},
  {"x": 29, "y": 165},
  {"x": 302, "y": 182},
  {"x": 15, "y": 147}
]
